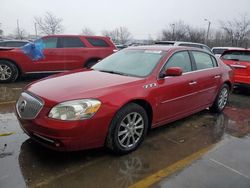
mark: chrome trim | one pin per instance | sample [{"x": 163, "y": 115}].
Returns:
[
  {"x": 44, "y": 138},
  {"x": 170, "y": 100},
  {"x": 36, "y": 72},
  {"x": 239, "y": 66},
  {"x": 192, "y": 83},
  {"x": 33, "y": 103},
  {"x": 188, "y": 50},
  {"x": 193, "y": 72}
]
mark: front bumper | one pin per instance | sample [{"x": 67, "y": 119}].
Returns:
[{"x": 66, "y": 135}]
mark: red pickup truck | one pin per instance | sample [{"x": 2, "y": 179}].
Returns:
[{"x": 58, "y": 53}]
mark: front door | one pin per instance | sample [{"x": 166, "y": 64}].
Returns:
[{"x": 176, "y": 94}]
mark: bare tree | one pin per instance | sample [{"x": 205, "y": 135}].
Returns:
[
  {"x": 124, "y": 34},
  {"x": 176, "y": 31},
  {"x": 87, "y": 31},
  {"x": 237, "y": 30},
  {"x": 20, "y": 33},
  {"x": 119, "y": 35},
  {"x": 180, "y": 31},
  {"x": 1, "y": 31},
  {"x": 196, "y": 35},
  {"x": 49, "y": 24}
]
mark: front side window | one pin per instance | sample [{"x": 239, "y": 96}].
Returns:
[
  {"x": 70, "y": 42},
  {"x": 139, "y": 63},
  {"x": 50, "y": 42},
  {"x": 203, "y": 60},
  {"x": 180, "y": 59},
  {"x": 97, "y": 42}
]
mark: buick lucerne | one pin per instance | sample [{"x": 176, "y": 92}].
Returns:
[{"x": 116, "y": 102}]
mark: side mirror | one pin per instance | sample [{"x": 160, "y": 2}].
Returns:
[{"x": 173, "y": 71}]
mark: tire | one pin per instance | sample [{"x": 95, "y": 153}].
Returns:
[
  {"x": 221, "y": 99},
  {"x": 8, "y": 71},
  {"x": 128, "y": 129},
  {"x": 90, "y": 63}
]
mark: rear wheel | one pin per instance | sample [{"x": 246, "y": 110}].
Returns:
[
  {"x": 8, "y": 71},
  {"x": 221, "y": 99},
  {"x": 128, "y": 129}
]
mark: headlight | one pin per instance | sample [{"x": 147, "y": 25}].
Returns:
[{"x": 75, "y": 110}]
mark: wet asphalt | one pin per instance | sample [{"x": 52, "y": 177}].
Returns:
[{"x": 24, "y": 163}]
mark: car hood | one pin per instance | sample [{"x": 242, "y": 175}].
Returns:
[{"x": 80, "y": 84}]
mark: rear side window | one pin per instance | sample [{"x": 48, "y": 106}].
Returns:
[
  {"x": 179, "y": 59},
  {"x": 50, "y": 42},
  {"x": 237, "y": 55},
  {"x": 70, "y": 42},
  {"x": 203, "y": 60},
  {"x": 97, "y": 42}
]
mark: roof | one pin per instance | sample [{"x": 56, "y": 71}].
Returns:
[
  {"x": 228, "y": 48},
  {"x": 178, "y": 42},
  {"x": 165, "y": 48},
  {"x": 75, "y": 36}
]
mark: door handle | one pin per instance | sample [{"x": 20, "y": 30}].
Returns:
[
  {"x": 192, "y": 83},
  {"x": 217, "y": 76}
]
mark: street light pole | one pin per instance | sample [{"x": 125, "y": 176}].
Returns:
[
  {"x": 35, "y": 29},
  {"x": 208, "y": 29},
  {"x": 173, "y": 25}
]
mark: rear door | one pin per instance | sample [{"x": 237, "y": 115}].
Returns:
[
  {"x": 207, "y": 77},
  {"x": 73, "y": 52}
]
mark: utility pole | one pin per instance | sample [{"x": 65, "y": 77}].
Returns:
[
  {"x": 35, "y": 29},
  {"x": 18, "y": 28},
  {"x": 173, "y": 25},
  {"x": 208, "y": 29}
]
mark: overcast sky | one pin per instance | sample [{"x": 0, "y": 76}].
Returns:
[{"x": 143, "y": 18}]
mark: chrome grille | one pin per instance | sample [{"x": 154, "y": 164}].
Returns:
[{"x": 28, "y": 106}]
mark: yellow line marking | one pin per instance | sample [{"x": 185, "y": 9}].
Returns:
[
  {"x": 8, "y": 102},
  {"x": 156, "y": 177},
  {"x": 6, "y": 134}
]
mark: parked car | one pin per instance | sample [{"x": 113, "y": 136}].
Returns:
[
  {"x": 188, "y": 44},
  {"x": 55, "y": 53},
  {"x": 120, "y": 46},
  {"x": 123, "y": 96},
  {"x": 239, "y": 60},
  {"x": 219, "y": 50},
  {"x": 13, "y": 43}
]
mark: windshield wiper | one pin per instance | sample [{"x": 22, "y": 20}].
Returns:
[{"x": 114, "y": 72}]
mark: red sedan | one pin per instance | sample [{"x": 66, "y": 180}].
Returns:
[
  {"x": 122, "y": 97},
  {"x": 239, "y": 60}
]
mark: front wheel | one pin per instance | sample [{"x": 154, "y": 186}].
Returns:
[
  {"x": 128, "y": 129},
  {"x": 8, "y": 71},
  {"x": 221, "y": 99}
]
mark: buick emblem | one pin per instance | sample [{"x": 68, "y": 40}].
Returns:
[{"x": 22, "y": 105}]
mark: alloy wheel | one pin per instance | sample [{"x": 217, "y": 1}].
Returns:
[
  {"x": 223, "y": 97},
  {"x": 130, "y": 130},
  {"x": 5, "y": 72}
]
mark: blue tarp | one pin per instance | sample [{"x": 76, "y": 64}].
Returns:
[{"x": 34, "y": 50}]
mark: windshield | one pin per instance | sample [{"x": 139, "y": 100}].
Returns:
[
  {"x": 237, "y": 55},
  {"x": 139, "y": 63}
]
